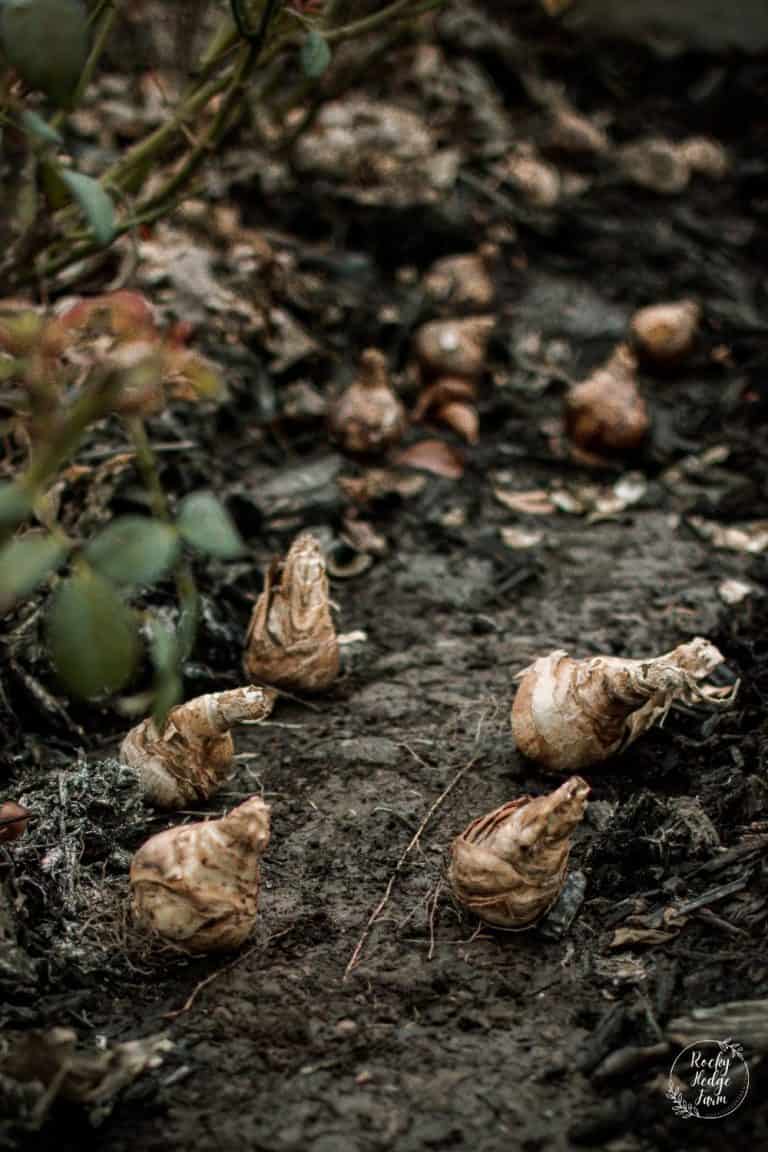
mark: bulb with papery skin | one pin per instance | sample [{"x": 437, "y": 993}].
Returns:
[
  {"x": 189, "y": 756},
  {"x": 369, "y": 416},
  {"x": 665, "y": 333},
  {"x": 509, "y": 866},
  {"x": 605, "y": 415},
  {"x": 196, "y": 886},
  {"x": 454, "y": 347},
  {"x": 569, "y": 714},
  {"x": 291, "y": 640}
]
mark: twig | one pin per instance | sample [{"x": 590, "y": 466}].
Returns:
[
  {"x": 433, "y": 910},
  {"x": 186, "y": 586},
  {"x": 374, "y": 916},
  {"x": 209, "y": 979}
]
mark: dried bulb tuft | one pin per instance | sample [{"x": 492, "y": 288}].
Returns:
[
  {"x": 509, "y": 866},
  {"x": 197, "y": 886},
  {"x": 189, "y": 757},
  {"x": 291, "y": 639},
  {"x": 569, "y": 714},
  {"x": 664, "y": 333},
  {"x": 369, "y": 416},
  {"x": 605, "y": 414}
]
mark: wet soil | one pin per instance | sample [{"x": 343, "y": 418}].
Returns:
[{"x": 443, "y": 1036}]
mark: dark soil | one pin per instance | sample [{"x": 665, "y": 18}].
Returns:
[{"x": 444, "y": 1036}]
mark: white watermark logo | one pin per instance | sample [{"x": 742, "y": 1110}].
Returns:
[{"x": 708, "y": 1080}]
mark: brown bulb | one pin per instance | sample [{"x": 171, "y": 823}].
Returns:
[
  {"x": 509, "y": 866},
  {"x": 606, "y": 414},
  {"x": 189, "y": 757},
  {"x": 454, "y": 347},
  {"x": 291, "y": 640},
  {"x": 369, "y": 416},
  {"x": 665, "y": 333},
  {"x": 570, "y": 714},
  {"x": 196, "y": 886},
  {"x": 464, "y": 281}
]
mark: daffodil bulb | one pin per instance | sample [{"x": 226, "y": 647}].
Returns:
[
  {"x": 665, "y": 333},
  {"x": 188, "y": 757},
  {"x": 605, "y": 414},
  {"x": 569, "y": 714},
  {"x": 291, "y": 639},
  {"x": 509, "y": 866},
  {"x": 197, "y": 886},
  {"x": 369, "y": 416}
]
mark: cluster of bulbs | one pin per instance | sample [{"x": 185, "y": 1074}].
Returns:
[{"x": 197, "y": 885}]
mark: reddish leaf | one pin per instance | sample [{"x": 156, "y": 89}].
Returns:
[{"x": 125, "y": 313}]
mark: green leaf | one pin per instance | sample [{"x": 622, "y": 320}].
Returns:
[
  {"x": 315, "y": 54},
  {"x": 164, "y": 649},
  {"x": 53, "y": 186},
  {"x": 205, "y": 524},
  {"x": 36, "y": 126},
  {"x": 133, "y": 550},
  {"x": 46, "y": 41},
  {"x": 15, "y": 506},
  {"x": 93, "y": 639},
  {"x": 25, "y": 563},
  {"x": 95, "y": 204}
]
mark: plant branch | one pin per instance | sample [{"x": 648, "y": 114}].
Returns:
[
  {"x": 93, "y": 404},
  {"x": 400, "y": 9},
  {"x": 129, "y": 173},
  {"x": 186, "y": 587}
]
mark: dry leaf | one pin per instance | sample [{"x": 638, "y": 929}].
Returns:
[
  {"x": 535, "y": 502},
  {"x": 750, "y": 537},
  {"x": 433, "y": 456},
  {"x": 518, "y": 538},
  {"x": 629, "y": 937}
]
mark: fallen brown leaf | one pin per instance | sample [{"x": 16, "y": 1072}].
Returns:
[{"x": 433, "y": 456}]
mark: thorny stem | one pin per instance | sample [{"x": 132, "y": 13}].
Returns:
[
  {"x": 186, "y": 587},
  {"x": 245, "y": 61}
]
